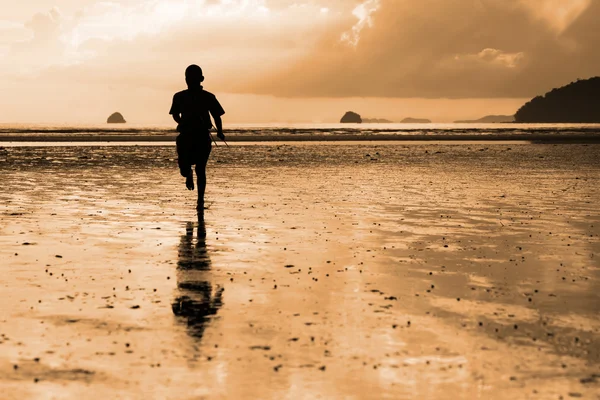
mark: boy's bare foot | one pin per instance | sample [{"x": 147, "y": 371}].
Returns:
[{"x": 189, "y": 181}]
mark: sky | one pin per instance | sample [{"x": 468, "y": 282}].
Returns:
[{"x": 77, "y": 61}]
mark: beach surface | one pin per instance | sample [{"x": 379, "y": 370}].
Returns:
[{"x": 371, "y": 271}]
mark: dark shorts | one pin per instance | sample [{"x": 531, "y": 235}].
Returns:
[{"x": 192, "y": 149}]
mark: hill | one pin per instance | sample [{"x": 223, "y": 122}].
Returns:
[
  {"x": 578, "y": 102},
  {"x": 376, "y": 121},
  {"x": 415, "y": 121},
  {"x": 489, "y": 119}
]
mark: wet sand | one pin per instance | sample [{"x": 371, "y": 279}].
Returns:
[
  {"x": 581, "y": 136},
  {"x": 379, "y": 271}
]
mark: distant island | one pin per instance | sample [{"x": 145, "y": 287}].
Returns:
[
  {"x": 578, "y": 102},
  {"x": 489, "y": 119},
  {"x": 116, "y": 118},
  {"x": 376, "y": 121},
  {"x": 415, "y": 121},
  {"x": 351, "y": 118}
]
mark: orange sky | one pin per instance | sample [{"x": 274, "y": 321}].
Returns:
[{"x": 291, "y": 60}]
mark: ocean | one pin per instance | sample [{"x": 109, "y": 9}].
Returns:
[{"x": 302, "y": 131}]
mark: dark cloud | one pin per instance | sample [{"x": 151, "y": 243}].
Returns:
[{"x": 446, "y": 48}]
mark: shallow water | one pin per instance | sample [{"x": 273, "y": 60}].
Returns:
[
  {"x": 50, "y": 131},
  {"x": 347, "y": 271}
]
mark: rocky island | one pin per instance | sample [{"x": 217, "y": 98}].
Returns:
[
  {"x": 578, "y": 102},
  {"x": 415, "y": 121},
  {"x": 116, "y": 118},
  {"x": 376, "y": 121},
  {"x": 489, "y": 119},
  {"x": 351, "y": 118}
]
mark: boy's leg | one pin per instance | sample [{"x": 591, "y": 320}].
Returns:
[
  {"x": 185, "y": 168},
  {"x": 201, "y": 177},
  {"x": 189, "y": 179}
]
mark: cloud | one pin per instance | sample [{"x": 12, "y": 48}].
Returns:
[
  {"x": 36, "y": 45},
  {"x": 46, "y": 27},
  {"x": 363, "y": 12},
  {"x": 558, "y": 14},
  {"x": 453, "y": 49},
  {"x": 493, "y": 57},
  {"x": 113, "y": 20},
  {"x": 11, "y": 32},
  {"x": 235, "y": 41},
  {"x": 315, "y": 48}
]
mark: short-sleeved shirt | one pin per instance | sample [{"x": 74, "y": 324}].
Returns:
[{"x": 194, "y": 105}]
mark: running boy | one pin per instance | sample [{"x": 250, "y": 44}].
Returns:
[{"x": 191, "y": 110}]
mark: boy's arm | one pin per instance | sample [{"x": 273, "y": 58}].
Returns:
[
  {"x": 219, "y": 126},
  {"x": 175, "y": 109},
  {"x": 217, "y": 111}
]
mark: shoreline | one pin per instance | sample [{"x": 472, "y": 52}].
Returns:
[{"x": 531, "y": 138}]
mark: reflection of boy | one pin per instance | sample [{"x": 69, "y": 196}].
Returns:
[
  {"x": 192, "y": 109},
  {"x": 197, "y": 301}
]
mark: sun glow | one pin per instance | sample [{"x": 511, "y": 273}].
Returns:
[{"x": 108, "y": 21}]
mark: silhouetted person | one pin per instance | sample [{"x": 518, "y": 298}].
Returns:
[
  {"x": 196, "y": 302},
  {"x": 191, "y": 110}
]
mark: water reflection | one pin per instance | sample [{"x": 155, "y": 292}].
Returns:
[{"x": 196, "y": 301}]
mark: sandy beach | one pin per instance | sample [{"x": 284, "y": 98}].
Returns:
[{"x": 372, "y": 271}]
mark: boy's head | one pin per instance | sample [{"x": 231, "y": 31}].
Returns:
[{"x": 193, "y": 75}]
